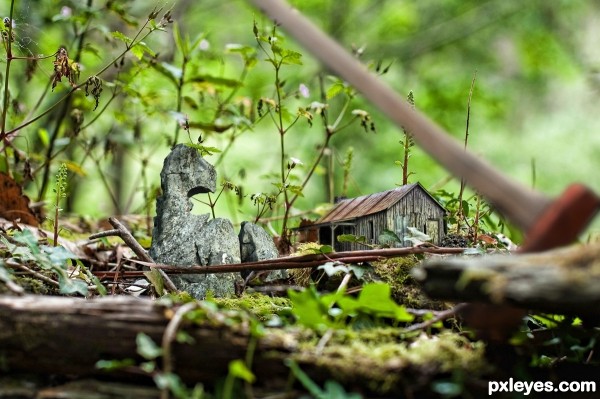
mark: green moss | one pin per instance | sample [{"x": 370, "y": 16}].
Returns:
[
  {"x": 262, "y": 306},
  {"x": 396, "y": 271},
  {"x": 405, "y": 290},
  {"x": 302, "y": 277},
  {"x": 384, "y": 357},
  {"x": 35, "y": 286}
]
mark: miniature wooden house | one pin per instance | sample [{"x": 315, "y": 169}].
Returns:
[{"x": 395, "y": 210}]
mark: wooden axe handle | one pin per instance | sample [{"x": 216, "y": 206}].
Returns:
[{"x": 519, "y": 204}]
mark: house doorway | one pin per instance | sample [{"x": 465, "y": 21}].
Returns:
[{"x": 432, "y": 229}]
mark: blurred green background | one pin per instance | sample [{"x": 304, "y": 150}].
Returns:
[{"x": 533, "y": 110}]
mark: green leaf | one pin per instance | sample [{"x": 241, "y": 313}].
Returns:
[
  {"x": 75, "y": 168},
  {"x": 351, "y": 238},
  {"x": 10, "y": 247},
  {"x": 95, "y": 280},
  {"x": 119, "y": 36},
  {"x": 146, "y": 347},
  {"x": 239, "y": 48},
  {"x": 308, "y": 309},
  {"x": 323, "y": 249},
  {"x": 375, "y": 299},
  {"x": 296, "y": 190},
  {"x": 304, "y": 379},
  {"x": 179, "y": 41},
  {"x": 156, "y": 280},
  {"x": 148, "y": 367},
  {"x": 43, "y": 136},
  {"x": 4, "y": 274},
  {"x": 210, "y": 127},
  {"x": 171, "y": 72},
  {"x": 172, "y": 382},
  {"x": 360, "y": 270},
  {"x": 447, "y": 389},
  {"x": 190, "y": 102},
  {"x": 196, "y": 43},
  {"x": 112, "y": 365},
  {"x": 388, "y": 237},
  {"x": 140, "y": 49},
  {"x": 26, "y": 237},
  {"x": 238, "y": 369},
  {"x": 465, "y": 207},
  {"x": 291, "y": 57},
  {"x": 69, "y": 286},
  {"x": 58, "y": 256},
  {"x": 333, "y": 390},
  {"x": 335, "y": 89},
  {"x": 204, "y": 151}
]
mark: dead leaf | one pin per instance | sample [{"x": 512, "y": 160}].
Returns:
[{"x": 14, "y": 205}]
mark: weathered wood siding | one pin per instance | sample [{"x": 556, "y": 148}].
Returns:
[{"x": 416, "y": 209}]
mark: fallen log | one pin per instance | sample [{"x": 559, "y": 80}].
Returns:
[
  {"x": 68, "y": 336},
  {"x": 565, "y": 280}
]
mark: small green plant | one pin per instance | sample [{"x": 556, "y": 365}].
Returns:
[
  {"x": 331, "y": 390},
  {"x": 60, "y": 192},
  {"x": 460, "y": 216},
  {"x": 166, "y": 381},
  {"x": 272, "y": 45},
  {"x": 354, "y": 239},
  {"x": 26, "y": 253},
  {"x": 337, "y": 310},
  {"x": 474, "y": 214},
  {"x": 53, "y": 102},
  {"x": 225, "y": 186},
  {"x": 347, "y": 166},
  {"x": 407, "y": 144}
]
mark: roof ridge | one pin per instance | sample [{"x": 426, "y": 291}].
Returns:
[{"x": 351, "y": 208}]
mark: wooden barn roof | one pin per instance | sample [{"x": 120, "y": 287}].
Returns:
[{"x": 353, "y": 208}]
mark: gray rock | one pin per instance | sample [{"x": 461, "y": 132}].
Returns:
[
  {"x": 183, "y": 239},
  {"x": 256, "y": 244},
  {"x": 185, "y": 173},
  {"x": 217, "y": 244}
]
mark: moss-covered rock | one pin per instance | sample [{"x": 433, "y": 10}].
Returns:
[
  {"x": 262, "y": 306},
  {"x": 384, "y": 359},
  {"x": 405, "y": 290}
]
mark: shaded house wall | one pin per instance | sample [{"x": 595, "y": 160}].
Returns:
[{"x": 395, "y": 210}]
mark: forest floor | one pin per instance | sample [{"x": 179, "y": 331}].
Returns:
[{"x": 340, "y": 330}]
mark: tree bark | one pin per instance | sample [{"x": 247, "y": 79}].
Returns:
[
  {"x": 565, "y": 281},
  {"x": 67, "y": 336}
]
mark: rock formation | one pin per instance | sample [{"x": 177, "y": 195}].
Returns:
[{"x": 183, "y": 239}]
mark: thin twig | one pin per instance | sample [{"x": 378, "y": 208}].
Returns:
[
  {"x": 344, "y": 282},
  {"x": 32, "y": 272},
  {"x": 12, "y": 286},
  {"x": 306, "y": 261},
  {"x": 169, "y": 337},
  {"x": 323, "y": 342},
  {"x": 446, "y": 314},
  {"x": 122, "y": 232}
]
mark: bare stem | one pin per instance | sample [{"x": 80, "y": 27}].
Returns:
[
  {"x": 461, "y": 216},
  {"x": 8, "y": 42}
]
